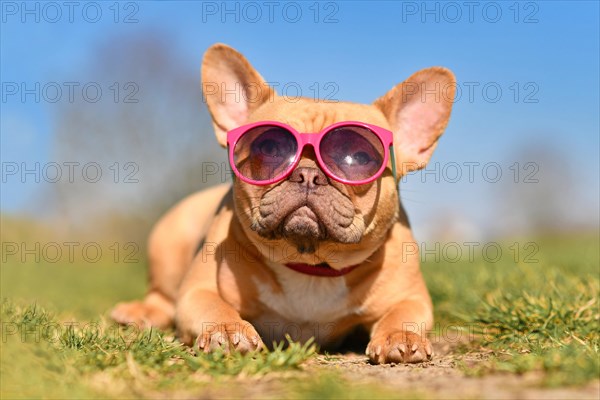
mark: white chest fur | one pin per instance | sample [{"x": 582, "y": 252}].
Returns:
[{"x": 306, "y": 304}]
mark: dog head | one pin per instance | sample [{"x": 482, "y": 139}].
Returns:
[{"x": 308, "y": 217}]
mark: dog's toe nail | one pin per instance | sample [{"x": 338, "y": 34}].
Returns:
[
  {"x": 378, "y": 350},
  {"x": 235, "y": 339},
  {"x": 402, "y": 348},
  {"x": 414, "y": 347}
]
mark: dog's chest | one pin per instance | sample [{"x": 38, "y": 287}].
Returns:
[{"x": 305, "y": 298}]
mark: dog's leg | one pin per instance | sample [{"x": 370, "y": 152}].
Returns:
[
  {"x": 206, "y": 320},
  {"x": 399, "y": 336},
  {"x": 172, "y": 246},
  {"x": 203, "y": 316},
  {"x": 155, "y": 310}
]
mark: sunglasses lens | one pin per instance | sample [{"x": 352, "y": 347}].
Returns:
[
  {"x": 265, "y": 152},
  {"x": 352, "y": 153}
]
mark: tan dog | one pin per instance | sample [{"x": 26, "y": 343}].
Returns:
[{"x": 239, "y": 287}]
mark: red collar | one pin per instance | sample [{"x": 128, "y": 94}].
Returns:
[{"x": 319, "y": 270}]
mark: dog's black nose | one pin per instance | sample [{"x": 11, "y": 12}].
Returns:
[{"x": 309, "y": 177}]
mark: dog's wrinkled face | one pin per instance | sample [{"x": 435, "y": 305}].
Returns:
[
  {"x": 309, "y": 217},
  {"x": 314, "y": 216}
]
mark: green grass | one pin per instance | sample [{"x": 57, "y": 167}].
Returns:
[
  {"x": 538, "y": 317},
  {"x": 43, "y": 356},
  {"x": 535, "y": 316},
  {"x": 125, "y": 354}
]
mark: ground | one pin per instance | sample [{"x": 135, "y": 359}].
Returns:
[{"x": 525, "y": 325}]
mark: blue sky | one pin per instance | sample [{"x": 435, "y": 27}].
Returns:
[{"x": 549, "y": 50}]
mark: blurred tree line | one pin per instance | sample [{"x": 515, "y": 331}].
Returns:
[{"x": 150, "y": 135}]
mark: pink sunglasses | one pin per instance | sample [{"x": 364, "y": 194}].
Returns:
[{"x": 350, "y": 152}]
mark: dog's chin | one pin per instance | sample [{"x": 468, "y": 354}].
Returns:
[{"x": 303, "y": 229}]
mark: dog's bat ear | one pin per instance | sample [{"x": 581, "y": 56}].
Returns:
[
  {"x": 418, "y": 111},
  {"x": 231, "y": 88}
]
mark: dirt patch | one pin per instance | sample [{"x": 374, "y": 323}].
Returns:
[{"x": 442, "y": 378}]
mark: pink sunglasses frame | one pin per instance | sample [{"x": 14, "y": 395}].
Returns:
[{"x": 313, "y": 139}]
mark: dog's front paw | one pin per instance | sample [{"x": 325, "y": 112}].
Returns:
[
  {"x": 399, "y": 347},
  {"x": 240, "y": 336}
]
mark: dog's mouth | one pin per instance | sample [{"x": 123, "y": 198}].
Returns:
[
  {"x": 307, "y": 218},
  {"x": 303, "y": 227}
]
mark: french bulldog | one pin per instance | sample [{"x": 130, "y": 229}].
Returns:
[{"x": 310, "y": 239}]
